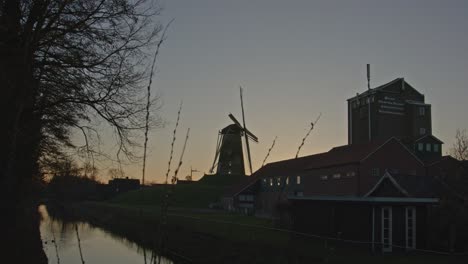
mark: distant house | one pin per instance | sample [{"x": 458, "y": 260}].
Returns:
[{"x": 121, "y": 185}]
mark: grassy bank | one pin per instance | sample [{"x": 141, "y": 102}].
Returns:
[{"x": 218, "y": 237}]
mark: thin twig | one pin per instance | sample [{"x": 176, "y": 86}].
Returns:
[
  {"x": 308, "y": 133},
  {"x": 148, "y": 99},
  {"x": 174, "y": 178},
  {"x": 173, "y": 142},
  {"x": 269, "y": 150}
]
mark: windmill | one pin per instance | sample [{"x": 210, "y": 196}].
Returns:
[{"x": 229, "y": 158}]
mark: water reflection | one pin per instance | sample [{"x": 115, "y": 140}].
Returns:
[{"x": 79, "y": 242}]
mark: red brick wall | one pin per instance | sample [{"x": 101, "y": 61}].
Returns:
[
  {"x": 390, "y": 156},
  {"x": 345, "y": 185}
]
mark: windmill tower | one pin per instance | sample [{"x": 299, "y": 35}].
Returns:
[{"x": 229, "y": 157}]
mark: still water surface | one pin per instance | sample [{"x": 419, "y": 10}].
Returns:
[{"x": 75, "y": 242}]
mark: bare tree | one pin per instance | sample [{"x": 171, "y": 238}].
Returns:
[
  {"x": 68, "y": 66},
  {"x": 459, "y": 148}
]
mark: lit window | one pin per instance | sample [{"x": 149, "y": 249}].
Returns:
[
  {"x": 271, "y": 181},
  {"x": 436, "y": 147},
  {"x": 420, "y": 146},
  {"x": 375, "y": 172},
  {"x": 287, "y": 180},
  {"x": 428, "y": 146},
  {"x": 422, "y": 131},
  {"x": 324, "y": 177},
  {"x": 279, "y": 181},
  {"x": 336, "y": 176},
  {"x": 298, "y": 179}
]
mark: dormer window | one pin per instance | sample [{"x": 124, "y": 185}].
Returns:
[
  {"x": 420, "y": 146},
  {"x": 428, "y": 147}
]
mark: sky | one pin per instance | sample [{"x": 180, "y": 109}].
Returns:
[{"x": 296, "y": 59}]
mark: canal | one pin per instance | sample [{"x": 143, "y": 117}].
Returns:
[{"x": 69, "y": 242}]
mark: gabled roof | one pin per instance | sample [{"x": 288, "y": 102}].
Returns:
[{"x": 409, "y": 185}]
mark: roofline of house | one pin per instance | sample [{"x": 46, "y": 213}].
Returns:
[
  {"x": 430, "y": 135},
  {"x": 393, "y": 138},
  {"x": 387, "y": 175},
  {"x": 375, "y": 89},
  {"x": 364, "y": 199},
  {"x": 441, "y": 159},
  {"x": 247, "y": 186}
]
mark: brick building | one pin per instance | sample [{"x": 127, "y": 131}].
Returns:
[{"x": 377, "y": 189}]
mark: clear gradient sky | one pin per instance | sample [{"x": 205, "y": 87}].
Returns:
[{"x": 297, "y": 58}]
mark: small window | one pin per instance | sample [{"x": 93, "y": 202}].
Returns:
[
  {"x": 422, "y": 111},
  {"x": 428, "y": 147},
  {"x": 299, "y": 194},
  {"x": 241, "y": 197},
  {"x": 375, "y": 172},
  {"x": 422, "y": 131},
  {"x": 336, "y": 176},
  {"x": 287, "y": 180},
  {"x": 420, "y": 146},
  {"x": 350, "y": 174},
  {"x": 279, "y": 181},
  {"x": 298, "y": 179},
  {"x": 271, "y": 181},
  {"x": 324, "y": 177},
  {"x": 436, "y": 147}
]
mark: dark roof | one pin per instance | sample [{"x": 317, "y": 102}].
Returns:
[
  {"x": 385, "y": 87},
  {"x": 430, "y": 136},
  {"x": 438, "y": 160},
  {"x": 336, "y": 156}
]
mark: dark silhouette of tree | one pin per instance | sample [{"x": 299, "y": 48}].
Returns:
[
  {"x": 67, "y": 67},
  {"x": 459, "y": 148}
]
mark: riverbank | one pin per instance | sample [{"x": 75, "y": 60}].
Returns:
[{"x": 217, "y": 237}]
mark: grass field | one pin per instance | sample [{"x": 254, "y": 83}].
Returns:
[
  {"x": 198, "y": 194},
  {"x": 219, "y": 237}
]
